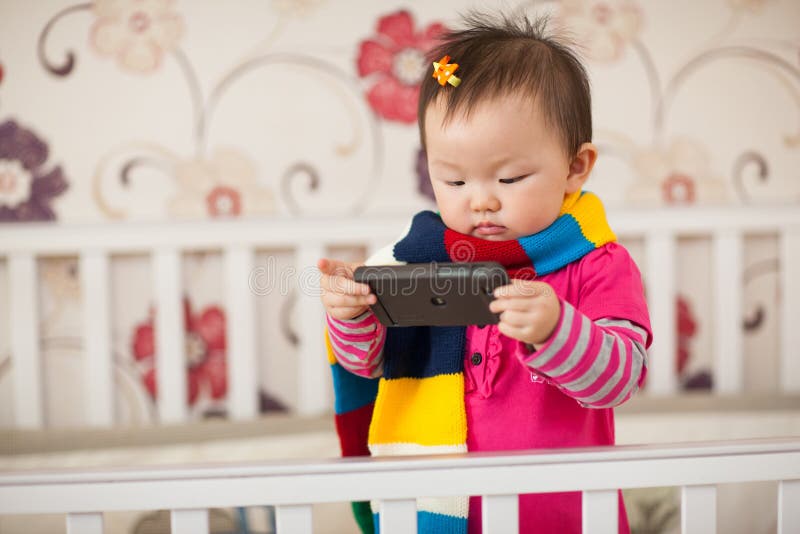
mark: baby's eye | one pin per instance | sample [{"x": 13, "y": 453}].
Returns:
[
  {"x": 511, "y": 180},
  {"x": 455, "y": 182}
]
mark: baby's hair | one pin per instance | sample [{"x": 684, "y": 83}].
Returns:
[{"x": 501, "y": 55}]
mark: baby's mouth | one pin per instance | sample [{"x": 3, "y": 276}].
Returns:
[{"x": 487, "y": 229}]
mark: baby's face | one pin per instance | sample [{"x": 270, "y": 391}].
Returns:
[{"x": 498, "y": 174}]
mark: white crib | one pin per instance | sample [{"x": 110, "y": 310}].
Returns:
[
  {"x": 83, "y": 495},
  {"x": 189, "y": 491}
]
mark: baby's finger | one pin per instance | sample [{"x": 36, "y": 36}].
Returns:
[
  {"x": 511, "y": 303},
  {"x": 345, "y": 286},
  {"x": 351, "y": 301},
  {"x": 333, "y": 267},
  {"x": 522, "y": 288},
  {"x": 517, "y": 318}
]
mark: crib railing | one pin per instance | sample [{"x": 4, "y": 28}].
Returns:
[
  {"x": 598, "y": 472},
  {"x": 309, "y": 238}
]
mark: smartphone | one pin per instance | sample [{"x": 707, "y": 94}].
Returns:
[{"x": 433, "y": 294}]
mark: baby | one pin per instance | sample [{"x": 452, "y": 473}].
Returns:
[{"x": 508, "y": 136}]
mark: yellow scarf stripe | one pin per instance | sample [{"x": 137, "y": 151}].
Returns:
[
  {"x": 590, "y": 216},
  {"x": 427, "y": 411},
  {"x": 329, "y": 348}
]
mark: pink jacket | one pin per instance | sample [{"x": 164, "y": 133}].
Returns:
[{"x": 561, "y": 395}]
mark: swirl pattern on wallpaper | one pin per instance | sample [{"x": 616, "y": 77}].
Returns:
[
  {"x": 606, "y": 29},
  {"x": 139, "y": 37}
]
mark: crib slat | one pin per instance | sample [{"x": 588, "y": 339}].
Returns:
[
  {"x": 500, "y": 514},
  {"x": 85, "y": 523},
  {"x": 26, "y": 369},
  {"x": 600, "y": 512},
  {"x": 98, "y": 362},
  {"x": 170, "y": 337},
  {"x": 189, "y": 521},
  {"x": 314, "y": 390},
  {"x": 698, "y": 509},
  {"x": 397, "y": 516},
  {"x": 790, "y": 310},
  {"x": 291, "y": 519},
  {"x": 788, "y": 506},
  {"x": 728, "y": 357},
  {"x": 660, "y": 280},
  {"x": 241, "y": 334}
]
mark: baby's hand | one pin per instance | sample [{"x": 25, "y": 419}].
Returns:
[
  {"x": 342, "y": 297},
  {"x": 528, "y": 310}
]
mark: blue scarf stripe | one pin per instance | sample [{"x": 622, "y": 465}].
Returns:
[
  {"x": 424, "y": 242},
  {"x": 433, "y": 523},
  {"x": 559, "y": 244},
  {"x": 424, "y": 352},
  {"x": 353, "y": 391}
]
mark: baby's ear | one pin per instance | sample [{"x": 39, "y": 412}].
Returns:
[{"x": 581, "y": 167}]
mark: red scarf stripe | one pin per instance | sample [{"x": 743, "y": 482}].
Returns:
[{"x": 509, "y": 253}]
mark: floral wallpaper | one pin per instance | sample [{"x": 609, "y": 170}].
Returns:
[
  {"x": 205, "y": 352},
  {"x": 26, "y": 187},
  {"x": 153, "y": 110},
  {"x": 395, "y": 61},
  {"x": 132, "y": 110}
]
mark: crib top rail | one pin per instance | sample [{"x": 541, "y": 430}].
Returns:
[
  {"x": 284, "y": 231},
  {"x": 336, "y": 480}
]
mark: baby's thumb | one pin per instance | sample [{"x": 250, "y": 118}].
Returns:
[{"x": 336, "y": 267}]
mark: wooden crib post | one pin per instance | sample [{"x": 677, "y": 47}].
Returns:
[
  {"x": 189, "y": 521},
  {"x": 85, "y": 523},
  {"x": 789, "y": 247},
  {"x": 788, "y": 506},
  {"x": 24, "y": 331},
  {"x": 293, "y": 519},
  {"x": 170, "y": 336},
  {"x": 313, "y": 373},
  {"x": 698, "y": 509},
  {"x": 398, "y": 516},
  {"x": 241, "y": 334},
  {"x": 660, "y": 281},
  {"x": 98, "y": 360},
  {"x": 727, "y": 314},
  {"x": 600, "y": 512},
  {"x": 500, "y": 513}
]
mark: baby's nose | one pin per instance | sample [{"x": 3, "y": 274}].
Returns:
[{"x": 485, "y": 201}]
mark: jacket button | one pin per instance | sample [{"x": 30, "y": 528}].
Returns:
[{"x": 476, "y": 358}]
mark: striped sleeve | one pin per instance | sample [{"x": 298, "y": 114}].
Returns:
[
  {"x": 598, "y": 363},
  {"x": 358, "y": 343}
]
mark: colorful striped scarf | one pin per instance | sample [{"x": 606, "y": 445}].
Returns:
[{"x": 417, "y": 407}]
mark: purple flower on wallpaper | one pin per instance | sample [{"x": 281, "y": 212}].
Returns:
[
  {"x": 423, "y": 178},
  {"x": 26, "y": 189}
]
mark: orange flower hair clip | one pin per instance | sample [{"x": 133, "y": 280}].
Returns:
[{"x": 443, "y": 72}]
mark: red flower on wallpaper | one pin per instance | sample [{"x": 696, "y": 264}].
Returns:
[
  {"x": 395, "y": 58},
  {"x": 205, "y": 352},
  {"x": 678, "y": 189}
]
